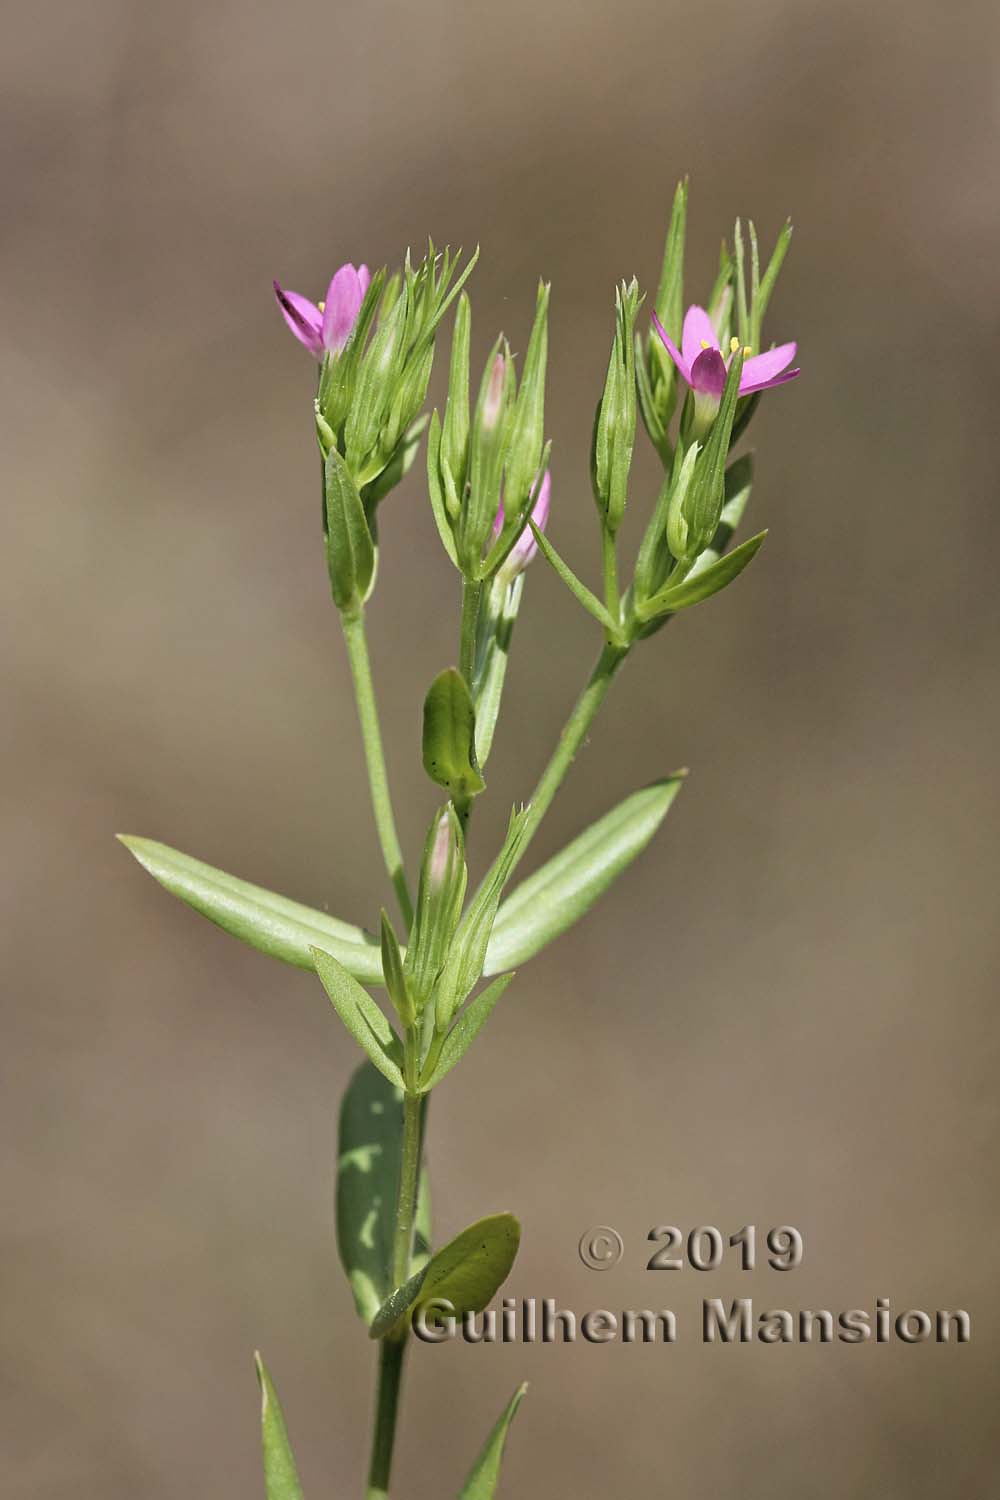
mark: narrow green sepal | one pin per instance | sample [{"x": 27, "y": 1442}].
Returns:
[
  {"x": 281, "y": 1477},
  {"x": 392, "y": 969},
  {"x": 482, "y": 1482},
  {"x": 397, "y": 468},
  {"x": 467, "y": 956},
  {"x": 449, "y": 738}
]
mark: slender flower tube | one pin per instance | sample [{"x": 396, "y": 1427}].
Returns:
[
  {"x": 325, "y": 327},
  {"x": 525, "y": 548},
  {"x": 701, "y": 362}
]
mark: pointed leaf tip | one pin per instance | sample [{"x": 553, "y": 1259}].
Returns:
[
  {"x": 281, "y": 1479},
  {"x": 482, "y": 1482}
]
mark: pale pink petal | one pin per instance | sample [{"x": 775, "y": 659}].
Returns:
[
  {"x": 525, "y": 548},
  {"x": 698, "y": 334},
  {"x": 763, "y": 367},
  {"x": 365, "y": 278},
  {"x": 765, "y": 385},
  {"x": 344, "y": 297},
  {"x": 708, "y": 373},
  {"x": 672, "y": 349},
  {"x": 303, "y": 318}
]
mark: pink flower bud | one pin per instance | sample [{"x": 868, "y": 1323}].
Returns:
[{"x": 493, "y": 405}]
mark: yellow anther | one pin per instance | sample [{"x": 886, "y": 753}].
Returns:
[
  {"x": 321, "y": 306},
  {"x": 734, "y": 344},
  {"x": 705, "y": 344},
  {"x": 747, "y": 350}
]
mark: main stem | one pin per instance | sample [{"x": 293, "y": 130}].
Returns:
[
  {"x": 392, "y": 1350},
  {"x": 378, "y": 780}
]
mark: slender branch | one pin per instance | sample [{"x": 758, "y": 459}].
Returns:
[
  {"x": 572, "y": 737},
  {"x": 378, "y": 780},
  {"x": 609, "y": 550}
]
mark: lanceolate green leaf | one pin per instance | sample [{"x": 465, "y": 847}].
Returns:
[
  {"x": 466, "y": 1273},
  {"x": 368, "y": 1164},
  {"x": 266, "y": 921},
  {"x": 482, "y": 1482},
  {"x": 281, "y": 1479},
  {"x": 702, "y": 585},
  {"x": 362, "y": 1017},
  {"x": 558, "y": 894}
]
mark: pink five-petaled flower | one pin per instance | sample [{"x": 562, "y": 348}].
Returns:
[
  {"x": 324, "y": 328},
  {"x": 700, "y": 360},
  {"x": 525, "y": 547}
]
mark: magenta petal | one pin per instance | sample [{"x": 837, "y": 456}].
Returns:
[
  {"x": 344, "y": 297},
  {"x": 708, "y": 373},
  {"x": 672, "y": 349},
  {"x": 303, "y": 318},
  {"x": 698, "y": 334},
  {"x": 760, "y": 368},
  {"x": 765, "y": 385}
]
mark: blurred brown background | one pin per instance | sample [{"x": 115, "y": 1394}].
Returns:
[{"x": 784, "y": 1014}]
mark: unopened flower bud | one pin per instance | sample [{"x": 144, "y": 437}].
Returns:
[
  {"x": 439, "y": 904},
  {"x": 525, "y": 548}
]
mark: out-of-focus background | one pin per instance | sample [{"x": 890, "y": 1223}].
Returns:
[{"x": 784, "y": 1014}]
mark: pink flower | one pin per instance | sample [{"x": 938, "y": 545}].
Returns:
[
  {"x": 701, "y": 362},
  {"x": 525, "y": 547},
  {"x": 325, "y": 327}
]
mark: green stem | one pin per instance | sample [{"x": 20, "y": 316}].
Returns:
[
  {"x": 409, "y": 1175},
  {"x": 471, "y": 594},
  {"x": 612, "y": 598},
  {"x": 573, "y": 735},
  {"x": 378, "y": 780},
  {"x": 390, "y": 1370},
  {"x": 391, "y": 1350}
]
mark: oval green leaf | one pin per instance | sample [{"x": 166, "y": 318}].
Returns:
[
  {"x": 465, "y": 1274},
  {"x": 449, "y": 744}
]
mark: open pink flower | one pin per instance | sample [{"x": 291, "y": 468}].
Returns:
[
  {"x": 525, "y": 547},
  {"x": 701, "y": 362},
  {"x": 325, "y": 327}
]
